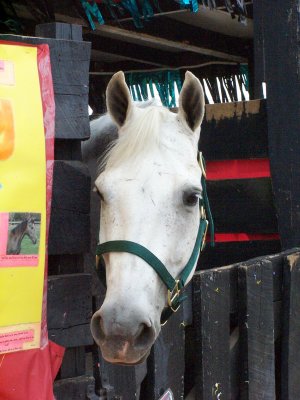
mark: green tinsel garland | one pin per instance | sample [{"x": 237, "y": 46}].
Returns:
[
  {"x": 165, "y": 83},
  {"x": 145, "y": 9}
]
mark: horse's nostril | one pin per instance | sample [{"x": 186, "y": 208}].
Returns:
[
  {"x": 96, "y": 328},
  {"x": 144, "y": 337}
]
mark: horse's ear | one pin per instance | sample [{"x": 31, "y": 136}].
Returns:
[
  {"x": 118, "y": 100},
  {"x": 191, "y": 101}
]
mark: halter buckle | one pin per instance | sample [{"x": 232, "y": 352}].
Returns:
[
  {"x": 173, "y": 295},
  {"x": 204, "y": 235},
  {"x": 202, "y": 213}
]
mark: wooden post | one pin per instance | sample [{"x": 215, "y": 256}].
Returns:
[
  {"x": 212, "y": 325},
  {"x": 282, "y": 73},
  {"x": 256, "y": 287},
  {"x": 290, "y": 382},
  {"x": 166, "y": 361}
]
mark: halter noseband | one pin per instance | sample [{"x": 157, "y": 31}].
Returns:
[{"x": 174, "y": 286}]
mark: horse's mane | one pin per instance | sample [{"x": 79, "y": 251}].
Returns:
[
  {"x": 139, "y": 135},
  {"x": 19, "y": 226}
]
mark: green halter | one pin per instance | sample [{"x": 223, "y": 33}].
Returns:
[{"x": 174, "y": 286}]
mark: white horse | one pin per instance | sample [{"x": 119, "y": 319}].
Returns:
[{"x": 149, "y": 185}]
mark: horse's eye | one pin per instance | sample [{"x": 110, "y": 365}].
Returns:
[{"x": 191, "y": 198}]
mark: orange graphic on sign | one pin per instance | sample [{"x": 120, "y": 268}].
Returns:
[{"x": 7, "y": 134}]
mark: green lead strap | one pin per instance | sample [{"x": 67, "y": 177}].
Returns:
[{"x": 126, "y": 246}]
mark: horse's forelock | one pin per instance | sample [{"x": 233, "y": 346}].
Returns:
[{"x": 141, "y": 133}]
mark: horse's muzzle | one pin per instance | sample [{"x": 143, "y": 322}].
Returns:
[{"x": 122, "y": 340}]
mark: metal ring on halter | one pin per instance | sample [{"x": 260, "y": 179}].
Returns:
[{"x": 173, "y": 295}]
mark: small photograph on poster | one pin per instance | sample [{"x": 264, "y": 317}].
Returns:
[
  {"x": 23, "y": 233},
  {"x": 19, "y": 239}
]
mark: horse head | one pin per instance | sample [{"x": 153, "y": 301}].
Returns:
[{"x": 149, "y": 187}]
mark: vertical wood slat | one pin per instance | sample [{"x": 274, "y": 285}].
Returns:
[
  {"x": 121, "y": 382},
  {"x": 256, "y": 282},
  {"x": 290, "y": 381},
  {"x": 166, "y": 361},
  {"x": 212, "y": 324},
  {"x": 73, "y": 363}
]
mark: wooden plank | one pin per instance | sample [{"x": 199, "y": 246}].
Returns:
[
  {"x": 166, "y": 361},
  {"x": 122, "y": 383},
  {"x": 257, "y": 283},
  {"x": 235, "y": 131},
  {"x": 59, "y": 30},
  {"x": 69, "y": 309},
  {"x": 277, "y": 261},
  {"x": 281, "y": 44},
  {"x": 190, "y": 358},
  {"x": 188, "y": 306},
  {"x": 290, "y": 382},
  {"x": 71, "y": 186},
  {"x": 70, "y": 224},
  {"x": 234, "y": 364},
  {"x": 129, "y": 51},
  {"x": 77, "y": 388},
  {"x": 195, "y": 33},
  {"x": 243, "y": 334},
  {"x": 233, "y": 252},
  {"x": 251, "y": 200},
  {"x": 69, "y": 232},
  {"x": 278, "y": 310},
  {"x": 233, "y": 279},
  {"x": 65, "y": 264},
  {"x": 151, "y": 41},
  {"x": 212, "y": 325},
  {"x": 73, "y": 363},
  {"x": 71, "y": 116},
  {"x": 65, "y": 149}
]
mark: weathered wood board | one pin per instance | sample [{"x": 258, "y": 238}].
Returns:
[
  {"x": 69, "y": 227},
  {"x": 290, "y": 382},
  {"x": 256, "y": 281},
  {"x": 280, "y": 60},
  {"x": 74, "y": 388},
  {"x": 69, "y": 309},
  {"x": 211, "y": 304},
  {"x": 166, "y": 364}
]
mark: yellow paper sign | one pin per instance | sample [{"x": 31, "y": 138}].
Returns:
[{"x": 22, "y": 199}]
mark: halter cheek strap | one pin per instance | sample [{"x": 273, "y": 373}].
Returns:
[{"x": 174, "y": 286}]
